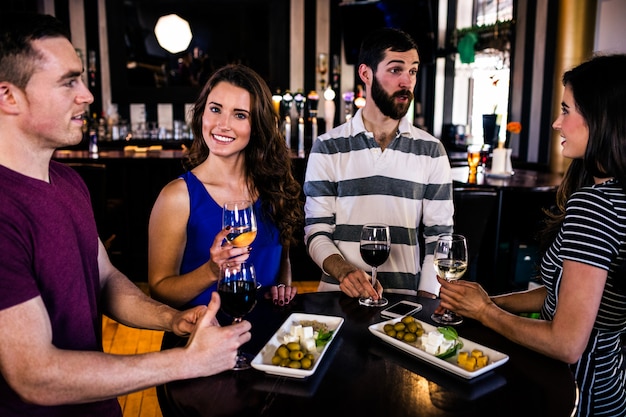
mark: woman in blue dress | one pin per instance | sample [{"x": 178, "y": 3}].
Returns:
[
  {"x": 582, "y": 301},
  {"x": 238, "y": 153}
]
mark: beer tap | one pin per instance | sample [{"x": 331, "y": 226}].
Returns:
[
  {"x": 286, "y": 106},
  {"x": 313, "y": 99}
]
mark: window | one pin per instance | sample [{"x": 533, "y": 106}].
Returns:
[{"x": 482, "y": 86}]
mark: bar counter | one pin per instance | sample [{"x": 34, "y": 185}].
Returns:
[{"x": 361, "y": 375}]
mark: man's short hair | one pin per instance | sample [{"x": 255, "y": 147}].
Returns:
[
  {"x": 377, "y": 42},
  {"x": 18, "y": 59}
]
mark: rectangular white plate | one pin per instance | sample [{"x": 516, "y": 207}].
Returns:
[
  {"x": 263, "y": 360},
  {"x": 495, "y": 358}
]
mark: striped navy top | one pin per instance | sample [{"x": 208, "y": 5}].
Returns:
[{"x": 594, "y": 233}]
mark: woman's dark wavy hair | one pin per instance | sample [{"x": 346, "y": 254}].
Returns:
[
  {"x": 599, "y": 90},
  {"x": 267, "y": 159}
]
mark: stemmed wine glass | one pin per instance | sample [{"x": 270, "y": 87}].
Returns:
[
  {"x": 450, "y": 263},
  {"x": 237, "y": 289},
  {"x": 239, "y": 215},
  {"x": 375, "y": 247}
]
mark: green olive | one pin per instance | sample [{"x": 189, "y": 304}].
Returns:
[
  {"x": 306, "y": 363},
  {"x": 296, "y": 355},
  {"x": 295, "y": 364},
  {"x": 293, "y": 346},
  {"x": 391, "y": 333},
  {"x": 399, "y": 326},
  {"x": 282, "y": 351},
  {"x": 409, "y": 337},
  {"x": 412, "y": 327}
]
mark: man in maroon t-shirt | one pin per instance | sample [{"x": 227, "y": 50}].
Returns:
[{"x": 56, "y": 279}]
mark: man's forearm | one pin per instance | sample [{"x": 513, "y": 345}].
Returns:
[{"x": 337, "y": 267}]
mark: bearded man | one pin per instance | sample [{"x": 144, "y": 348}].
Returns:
[{"x": 379, "y": 168}]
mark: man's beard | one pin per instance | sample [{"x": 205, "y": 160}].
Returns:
[{"x": 386, "y": 103}]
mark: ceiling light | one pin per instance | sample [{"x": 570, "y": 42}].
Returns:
[{"x": 173, "y": 33}]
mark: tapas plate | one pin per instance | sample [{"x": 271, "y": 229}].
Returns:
[
  {"x": 449, "y": 364},
  {"x": 263, "y": 360}
]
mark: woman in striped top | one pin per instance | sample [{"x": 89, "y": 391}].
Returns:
[{"x": 583, "y": 299}]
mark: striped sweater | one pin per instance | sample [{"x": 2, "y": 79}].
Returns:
[{"x": 350, "y": 181}]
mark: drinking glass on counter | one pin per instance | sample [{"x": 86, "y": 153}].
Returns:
[
  {"x": 237, "y": 288},
  {"x": 239, "y": 215},
  {"x": 474, "y": 158},
  {"x": 450, "y": 260},
  {"x": 375, "y": 248}
]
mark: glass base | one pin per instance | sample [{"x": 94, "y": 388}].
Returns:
[
  {"x": 448, "y": 318},
  {"x": 243, "y": 361},
  {"x": 370, "y": 302}
]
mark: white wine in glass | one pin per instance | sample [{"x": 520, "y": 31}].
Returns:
[
  {"x": 450, "y": 260},
  {"x": 375, "y": 248},
  {"x": 239, "y": 215}
]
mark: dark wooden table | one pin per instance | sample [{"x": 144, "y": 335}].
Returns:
[{"x": 363, "y": 375}]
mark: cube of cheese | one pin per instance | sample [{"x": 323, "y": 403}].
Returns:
[
  {"x": 445, "y": 345},
  {"x": 482, "y": 361},
  {"x": 296, "y": 330},
  {"x": 477, "y": 353},
  {"x": 309, "y": 345},
  {"x": 470, "y": 364},
  {"x": 432, "y": 349},
  {"x": 307, "y": 332},
  {"x": 434, "y": 338}
]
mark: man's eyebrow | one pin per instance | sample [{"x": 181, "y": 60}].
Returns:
[
  {"x": 71, "y": 74},
  {"x": 399, "y": 61}
]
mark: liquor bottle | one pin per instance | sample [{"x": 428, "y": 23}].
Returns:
[{"x": 93, "y": 135}]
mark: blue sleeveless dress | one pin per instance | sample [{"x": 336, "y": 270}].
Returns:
[{"x": 205, "y": 221}]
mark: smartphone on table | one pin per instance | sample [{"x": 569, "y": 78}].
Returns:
[{"x": 401, "y": 309}]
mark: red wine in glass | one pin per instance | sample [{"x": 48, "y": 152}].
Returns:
[
  {"x": 238, "y": 298},
  {"x": 238, "y": 290},
  {"x": 374, "y": 254}
]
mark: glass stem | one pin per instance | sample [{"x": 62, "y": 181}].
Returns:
[{"x": 374, "y": 270}]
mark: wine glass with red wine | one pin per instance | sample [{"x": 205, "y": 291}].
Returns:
[
  {"x": 375, "y": 248},
  {"x": 237, "y": 289}
]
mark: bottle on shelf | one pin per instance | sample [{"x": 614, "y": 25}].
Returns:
[{"x": 93, "y": 135}]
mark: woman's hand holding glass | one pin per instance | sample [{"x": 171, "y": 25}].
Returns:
[{"x": 232, "y": 245}]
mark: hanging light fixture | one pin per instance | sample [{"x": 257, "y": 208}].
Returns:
[{"x": 173, "y": 33}]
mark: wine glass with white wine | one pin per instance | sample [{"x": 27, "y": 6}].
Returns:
[
  {"x": 450, "y": 262},
  {"x": 239, "y": 216}
]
